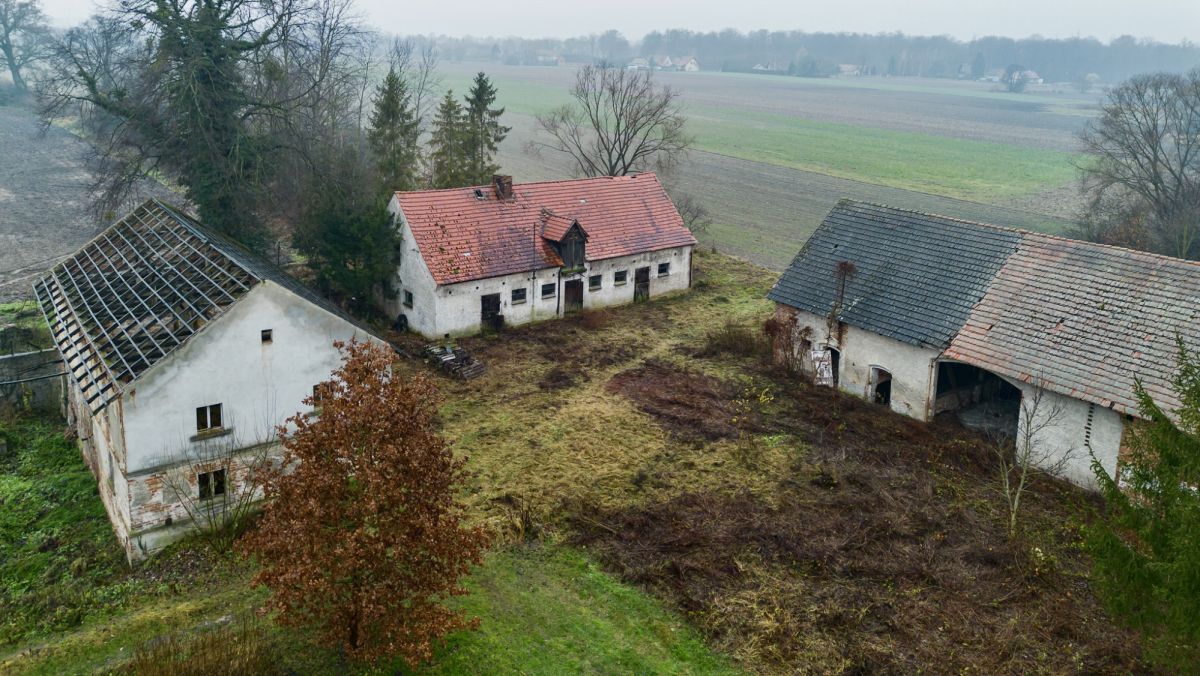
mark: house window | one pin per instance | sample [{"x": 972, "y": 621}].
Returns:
[
  {"x": 572, "y": 251},
  {"x": 208, "y": 418},
  {"x": 266, "y": 335},
  {"x": 620, "y": 276},
  {"x": 211, "y": 484},
  {"x": 408, "y": 299},
  {"x": 664, "y": 269},
  {"x": 518, "y": 296},
  {"x": 318, "y": 397},
  {"x": 594, "y": 282},
  {"x": 548, "y": 290}
]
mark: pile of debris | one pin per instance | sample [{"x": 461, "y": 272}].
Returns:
[{"x": 454, "y": 361}]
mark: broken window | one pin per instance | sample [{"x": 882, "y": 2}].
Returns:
[
  {"x": 620, "y": 276},
  {"x": 211, "y": 484},
  {"x": 266, "y": 335},
  {"x": 595, "y": 282},
  {"x": 208, "y": 417},
  {"x": 518, "y": 296},
  {"x": 318, "y": 397},
  {"x": 408, "y": 299},
  {"x": 664, "y": 269},
  {"x": 549, "y": 290}
]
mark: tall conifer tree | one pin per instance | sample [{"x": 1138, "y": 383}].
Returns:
[
  {"x": 484, "y": 130},
  {"x": 448, "y": 159},
  {"x": 393, "y": 135}
]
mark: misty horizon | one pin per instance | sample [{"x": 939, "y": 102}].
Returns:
[{"x": 1165, "y": 21}]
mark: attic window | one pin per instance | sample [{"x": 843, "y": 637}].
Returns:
[
  {"x": 479, "y": 194},
  {"x": 266, "y": 335}
]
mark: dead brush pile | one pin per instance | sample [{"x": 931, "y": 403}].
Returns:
[{"x": 884, "y": 550}]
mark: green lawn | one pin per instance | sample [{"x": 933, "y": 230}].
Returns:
[
  {"x": 69, "y": 605},
  {"x": 973, "y": 170}
]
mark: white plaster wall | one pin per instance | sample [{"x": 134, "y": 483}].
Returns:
[
  {"x": 912, "y": 367},
  {"x": 258, "y": 384},
  {"x": 455, "y": 309},
  {"x": 412, "y": 274},
  {"x": 1066, "y": 436}
]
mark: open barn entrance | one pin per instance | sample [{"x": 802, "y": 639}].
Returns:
[
  {"x": 979, "y": 398},
  {"x": 881, "y": 386}
]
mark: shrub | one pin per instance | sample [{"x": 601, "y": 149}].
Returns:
[{"x": 244, "y": 648}]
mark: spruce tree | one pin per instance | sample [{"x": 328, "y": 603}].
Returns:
[
  {"x": 484, "y": 130},
  {"x": 448, "y": 159},
  {"x": 1145, "y": 549},
  {"x": 393, "y": 135}
]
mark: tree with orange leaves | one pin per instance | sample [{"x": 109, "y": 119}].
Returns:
[{"x": 361, "y": 536}]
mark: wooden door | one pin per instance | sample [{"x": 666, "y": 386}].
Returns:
[
  {"x": 573, "y": 295},
  {"x": 489, "y": 307},
  {"x": 641, "y": 284}
]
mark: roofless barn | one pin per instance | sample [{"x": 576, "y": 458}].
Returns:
[
  {"x": 929, "y": 315},
  {"x": 510, "y": 253},
  {"x": 175, "y": 341}
]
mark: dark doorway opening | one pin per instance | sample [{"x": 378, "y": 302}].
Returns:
[
  {"x": 489, "y": 304},
  {"x": 641, "y": 284},
  {"x": 881, "y": 386},
  {"x": 980, "y": 399},
  {"x": 835, "y": 358},
  {"x": 573, "y": 295}
]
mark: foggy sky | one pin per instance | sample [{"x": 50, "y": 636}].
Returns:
[{"x": 1164, "y": 20}]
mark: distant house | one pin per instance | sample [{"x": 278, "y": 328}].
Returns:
[
  {"x": 849, "y": 70},
  {"x": 180, "y": 347},
  {"x": 638, "y": 64},
  {"x": 510, "y": 253},
  {"x": 1031, "y": 77},
  {"x": 687, "y": 64},
  {"x": 929, "y": 315},
  {"x": 662, "y": 62}
]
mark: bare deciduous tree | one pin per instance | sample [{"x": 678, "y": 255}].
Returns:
[
  {"x": 220, "y": 504},
  {"x": 620, "y": 122},
  {"x": 1143, "y": 168},
  {"x": 694, "y": 215},
  {"x": 24, "y": 37},
  {"x": 1020, "y": 457}
]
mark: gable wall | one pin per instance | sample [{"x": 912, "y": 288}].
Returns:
[{"x": 258, "y": 384}]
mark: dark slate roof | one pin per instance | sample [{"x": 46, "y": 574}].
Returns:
[
  {"x": 1085, "y": 320},
  {"x": 916, "y": 275},
  {"x": 141, "y": 289}
]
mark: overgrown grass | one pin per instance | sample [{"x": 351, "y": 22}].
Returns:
[{"x": 22, "y": 327}]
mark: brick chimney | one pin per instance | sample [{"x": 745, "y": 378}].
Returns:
[{"x": 503, "y": 186}]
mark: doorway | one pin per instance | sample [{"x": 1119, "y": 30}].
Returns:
[
  {"x": 641, "y": 284},
  {"x": 980, "y": 399},
  {"x": 489, "y": 310},
  {"x": 573, "y": 295},
  {"x": 881, "y": 386},
  {"x": 835, "y": 358}
]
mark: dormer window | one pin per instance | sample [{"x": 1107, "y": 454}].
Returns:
[{"x": 572, "y": 250}]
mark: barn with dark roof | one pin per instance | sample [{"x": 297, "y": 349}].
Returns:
[
  {"x": 932, "y": 315},
  {"x": 510, "y": 253}
]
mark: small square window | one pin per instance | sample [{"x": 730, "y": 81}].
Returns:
[
  {"x": 595, "y": 282},
  {"x": 620, "y": 276},
  {"x": 408, "y": 299},
  {"x": 518, "y": 296},
  {"x": 208, "y": 418},
  {"x": 664, "y": 269},
  {"x": 266, "y": 335},
  {"x": 211, "y": 484},
  {"x": 549, "y": 290}
]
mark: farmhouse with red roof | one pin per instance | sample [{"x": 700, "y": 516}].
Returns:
[{"x": 515, "y": 253}]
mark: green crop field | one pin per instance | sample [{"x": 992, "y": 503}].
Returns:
[{"x": 773, "y": 154}]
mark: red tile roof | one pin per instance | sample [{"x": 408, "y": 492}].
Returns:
[
  {"x": 555, "y": 227},
  {"x": 1085, "y": 320},
  {"x": 463, "y": 237}
]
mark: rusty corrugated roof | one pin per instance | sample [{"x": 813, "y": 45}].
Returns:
[{"x": 466, "y": 233}]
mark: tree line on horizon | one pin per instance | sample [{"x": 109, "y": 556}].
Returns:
[{"x": 1055, "y": 59}]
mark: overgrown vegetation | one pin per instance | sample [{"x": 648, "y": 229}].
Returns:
[
  {"x": 22, "y": 328},
  {"x": 846, "y": 537},
  {"x": 1146, "y": 550}
]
